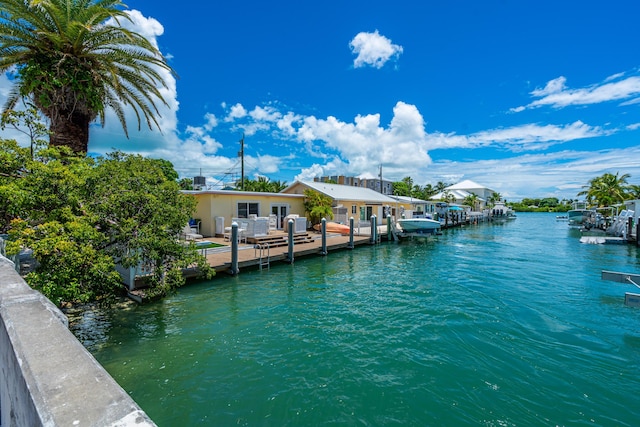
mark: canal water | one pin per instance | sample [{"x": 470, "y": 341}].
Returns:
[{"x": 495, "y": 325}]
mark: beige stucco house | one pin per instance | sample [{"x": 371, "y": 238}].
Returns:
[
  {"x": 217, "y": 208},
  {"x": 357, "y": 202}
]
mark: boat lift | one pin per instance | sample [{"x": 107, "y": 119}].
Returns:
[{"x": 630, "y": 299}]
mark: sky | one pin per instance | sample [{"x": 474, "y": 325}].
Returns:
[{"x": 530, "y": 98}]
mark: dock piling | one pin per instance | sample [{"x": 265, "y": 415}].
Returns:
[
  {"x": 323, "y": 230},
  {"x": 350, "y": 246},
  {"x": 234, "y": 249},
  {"x": 290, "y": 242}
]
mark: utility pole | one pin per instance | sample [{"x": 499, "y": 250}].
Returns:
[
  {"x": 381, "y": 179},
  {"x": 241, "y": 154}
]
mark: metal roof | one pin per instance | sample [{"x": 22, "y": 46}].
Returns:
[
  {"x": 466, "y": 185},
  {"x": 345, "y": 192}
]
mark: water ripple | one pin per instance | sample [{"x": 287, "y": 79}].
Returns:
[{"x": 490, "y": 325}]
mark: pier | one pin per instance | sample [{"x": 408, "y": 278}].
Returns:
[
  {"x": 252, "y": 254},
  {"x": 260, "y": 252}
]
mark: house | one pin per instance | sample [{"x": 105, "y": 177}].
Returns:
[
  {"x": 217, "y": 208},
  {"x": 416, "y": 207},
  {"x": 349, "y": 201},
  {"x": 464, "y": 189}
]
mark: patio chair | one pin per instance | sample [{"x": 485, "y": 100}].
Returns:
[
  {"x": 273, "y": 223},
  {"x": 188, "y": 234}
]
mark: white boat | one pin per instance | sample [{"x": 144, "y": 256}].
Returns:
[
  {"x": 419, "y": 225},
  {"x": 578, "y": 213},
  {"x": 502, "y": 212}
]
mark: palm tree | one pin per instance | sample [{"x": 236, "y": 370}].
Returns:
[
  {"x": 447, "y": 196},
  {"x": 606, "y": 190},
  {"x": 633, "y": 191},
  {"x": 471, "y": 200},
  {"x": 73, "y": 65},
  {"x": 495, "y": 197}
]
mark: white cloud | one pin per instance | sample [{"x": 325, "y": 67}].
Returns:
[
  {"x": 561, "y": 174},
  {"x": 212, "y": 121},
  {"x": 265, "y": 114},
  {"x": 556, "y": 94},
  {"x": 535, "y": 137},
  {"x": 365, "y": 144},
  {"x": 553, "y": 86},
  {"x": 373, "y": 49},
  {"x": 236, "y": 112}
]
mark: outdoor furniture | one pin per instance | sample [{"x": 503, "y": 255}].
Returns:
[
  {"x": 188, "y": 234},
  {"x": 254, "y": 227},
  {"x": 273, "y": 223}
]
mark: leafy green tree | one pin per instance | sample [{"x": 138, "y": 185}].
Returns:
[
  {"x": 167, "y": 169},
  {"x": 73, "y": 64},
  {"x": 13, "y": 165},
  {"x": 28, "y": 123},
  {"x": 81, "y": 216},
  {"x": 186, "y": 184},
  {"x": 141, "y": 212},
  {"x": 404, "y": 187},
  {"x": 317, "y": 205}
]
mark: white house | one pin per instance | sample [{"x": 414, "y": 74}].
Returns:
[{"x": 464, "y": 189}]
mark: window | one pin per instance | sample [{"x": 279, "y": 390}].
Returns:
[
  {"x": 354, "y": 209},
  {"x": 248, "y": 208}
]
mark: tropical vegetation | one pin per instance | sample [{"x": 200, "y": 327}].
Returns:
[
  {"x": 81, "y": 217},
  {"x": 608, "y": 190},
  {"x": 406, "y": 187},
  {"x": 317, "y": 206},
  {"x": 261, "y": 184},
  {"x": 72, "y": 60}
]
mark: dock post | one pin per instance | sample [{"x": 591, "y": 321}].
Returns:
[
  {"x": 290, "y": 230},
  {"x": 323, "y": 230},
  {"x": 234, "y": 249},
  {"x": 389, "y": 228},
  {"x": 350, "y": 246},
  {"x": 374, "y": 229}
]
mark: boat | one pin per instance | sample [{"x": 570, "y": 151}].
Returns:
[
  {"x": 419, "y": 225},
  {"x": 334, "y": 227},
  {"x": 501, "y": 212},
  {"x": 578, "y": 213}
]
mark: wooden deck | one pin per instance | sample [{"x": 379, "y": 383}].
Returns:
[{"x": 274, "y": 247}]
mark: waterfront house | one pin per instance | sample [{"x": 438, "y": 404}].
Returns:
[
  {"x": 464, "y": 189},
  {"x": 350, "y": 201},
  {"x": 216, "y": 209},
  {"x": 416, "y": 207}
]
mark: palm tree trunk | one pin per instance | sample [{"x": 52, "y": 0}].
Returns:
[{"x": 73, "y": 133}]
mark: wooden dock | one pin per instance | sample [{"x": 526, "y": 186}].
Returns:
[{"x": 261, "y": 252}]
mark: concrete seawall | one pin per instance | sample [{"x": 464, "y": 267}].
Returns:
[{"x": 47, "y": 378}]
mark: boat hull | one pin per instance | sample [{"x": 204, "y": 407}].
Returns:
[{"x": 419, "y": 225}]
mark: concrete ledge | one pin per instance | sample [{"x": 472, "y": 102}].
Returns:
[{"x": 47, "y": 378}]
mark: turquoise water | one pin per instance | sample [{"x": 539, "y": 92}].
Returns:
[{"x": 494, "y": 325}]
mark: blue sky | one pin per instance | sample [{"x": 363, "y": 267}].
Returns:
[{"x": 529, "y": 98}]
